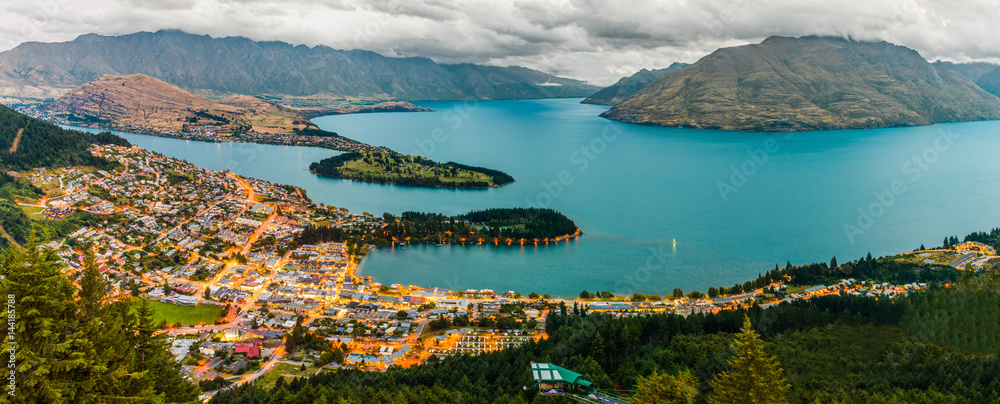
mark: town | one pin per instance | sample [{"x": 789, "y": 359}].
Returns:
[
  {"x": 242, "y": 297},
  {"x": 208, "y": 133}
]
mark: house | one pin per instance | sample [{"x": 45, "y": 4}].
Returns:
[
  {"x": 250, "y": 350},
  {"x": 815, "y": 289},
  {"x": 238, "y": 366}
]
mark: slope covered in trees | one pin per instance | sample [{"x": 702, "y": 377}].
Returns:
[
  {"x": 43, "y": 144},
  {"x": 75, "y": 345},
  {"x": 487, "y": 226}
]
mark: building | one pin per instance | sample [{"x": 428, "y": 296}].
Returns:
[
  {"x": 976, "y": 247},
  {"x": 556, "y": 381}
]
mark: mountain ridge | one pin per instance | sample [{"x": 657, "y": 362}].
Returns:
[
  {"x": 628, "y": 85},
  {"x": 237, "y": 65},
  {"x": 787, "y": 84}
]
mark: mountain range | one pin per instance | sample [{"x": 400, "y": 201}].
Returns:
[
  {"x": 629, "y": 85},
  {"x": 240, "y": 66},
  {"x": 971, "y": 70},
  {"x": 808, "y": 83},
  {"x": 144, "y": 101}
]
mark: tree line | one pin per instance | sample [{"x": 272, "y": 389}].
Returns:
[
  {"x": 77, "y": 344},
  {"x": 43, "y": 144}
]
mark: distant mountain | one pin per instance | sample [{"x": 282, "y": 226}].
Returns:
[
  {"x": 990, "y": 81},
  {"x": 144, "y": 101},
  {"x": 237, "y": 65},
  {"x": 972, "y": 70},
  {"x": 808, "y": 83},
  {"x": 627, "y": 86}
]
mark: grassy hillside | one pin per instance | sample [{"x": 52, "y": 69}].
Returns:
[{"x": 809, "y": 83}]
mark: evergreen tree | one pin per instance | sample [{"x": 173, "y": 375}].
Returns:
[
  {"x": 54, "y": 360},
  {"x": 833, "y": 263},
  {"x": 666, "y": 389},
  {"x": 92, "y": 288},
  {"x": 755, "y": 376}
]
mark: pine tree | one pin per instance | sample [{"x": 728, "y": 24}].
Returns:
[
  {"x": 667, "y": 389},
  {"x": 833, "y": 263},
  {"x": 54, "y": 358},
  {"x": 92, "y": 288},
  {"x": 754, "y": 375}
]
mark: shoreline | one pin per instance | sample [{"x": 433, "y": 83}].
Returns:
[{"x": 310, "y": 142}]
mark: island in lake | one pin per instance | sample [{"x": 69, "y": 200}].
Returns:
[{"x": 400, "y": 169}]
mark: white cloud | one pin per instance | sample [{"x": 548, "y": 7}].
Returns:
[{"x": 593, "y": 40}]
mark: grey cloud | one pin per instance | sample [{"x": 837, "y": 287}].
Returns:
[{"x": 594, "y": 40}]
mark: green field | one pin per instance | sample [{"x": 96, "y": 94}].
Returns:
[
  {"x": 32, "y": 210},
  {"x": 288, "y": 371},
  {"x": 185, "y": 315},
  {"x": 391, "y": 171}
]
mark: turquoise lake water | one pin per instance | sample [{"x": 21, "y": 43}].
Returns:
[{"x": 660, "y": 208}]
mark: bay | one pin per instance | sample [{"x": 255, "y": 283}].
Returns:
[{"x": 660, "y": 208}]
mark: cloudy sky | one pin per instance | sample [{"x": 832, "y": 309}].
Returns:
[{"x": 593, "y": 40}]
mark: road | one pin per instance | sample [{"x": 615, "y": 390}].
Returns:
[{"x": 271, "y": 363}]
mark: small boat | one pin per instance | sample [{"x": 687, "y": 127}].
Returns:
[{"x": 439, "y": 245}]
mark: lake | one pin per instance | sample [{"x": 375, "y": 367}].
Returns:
[{"x": 660, "y": 208}]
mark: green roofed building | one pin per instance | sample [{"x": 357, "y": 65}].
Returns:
[{"x": 556, "y": 381}]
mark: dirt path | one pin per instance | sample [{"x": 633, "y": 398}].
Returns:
[
  {"x": 17, "y": 141},
  {"x": 3, "y": 233}
]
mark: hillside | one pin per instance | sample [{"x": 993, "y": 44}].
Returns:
[
  {"x": 972, "y": 70},
  {"x": 42, "y": 144},
  {"x": 810, "y": 83},
  {"x": 990, "y": 81},
  {"x": 141, "y": 100},
  {"x": 627, "y": 86},
  {"x": 237, "y": 65}
]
